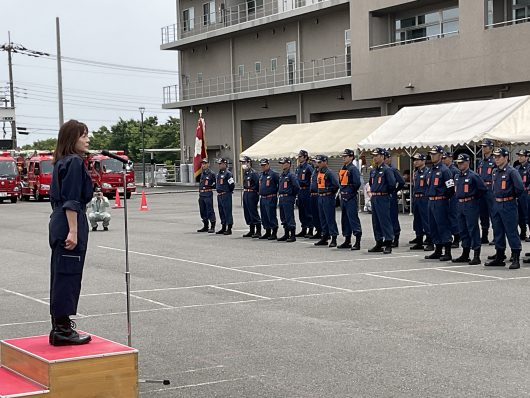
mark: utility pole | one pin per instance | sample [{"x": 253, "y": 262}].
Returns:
[
  {"x": 11, "y": 89},
  {"x": 59, "y": 73},
  {"x": 142, "y": 110}
]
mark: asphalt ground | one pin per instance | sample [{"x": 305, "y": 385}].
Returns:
[{"x": 224, "y": 316}]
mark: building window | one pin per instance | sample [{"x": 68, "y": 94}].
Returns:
[
  {"x": 424, "y": 26},
  {"x": 257, "y": 66},
  {"x": 347, "y": 51},
  {"x": 241, "y": 70},
  {"x": 188, "y": 17},
  {"x": 274, "y": 64},
  {"x": 291, "y": 62},
  {"x": 521, "y": 9},
  {"x": 199, "y": 77},
  {"x": 208, "y": 13}
]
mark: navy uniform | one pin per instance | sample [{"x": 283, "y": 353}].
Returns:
[
  {"x": 225, "y": 185},
  {"x": 469, "y": 188},
  {"x": 71, "y": 189},
  {"x": 315, "y": 212},
  {"x": 394, "y": 200},
  {"x": 251, "y": 198},
  {"x": 350, "y": 182},
  {"x": 206, "y": 187},
  {"x": 268, "y": 192},
  {"x": 382, "y": 184},
  {"x": 507, "y": 186},
  {"x": 522, "y": 201},
  {"x": 420, "y": 204},
  {"x": 304, "y": 171},
  {"x": 328, "y": 185},
  {"x": 485, "y": 169},
  {"x": 447, "y": 157},
  {"x": 287, "y": 190},
  {"x": 439, "y": 191}
]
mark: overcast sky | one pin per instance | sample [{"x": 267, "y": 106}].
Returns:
[{"x": 123, "y": 32}]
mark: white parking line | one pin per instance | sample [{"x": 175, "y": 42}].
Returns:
[
  {"x": 240, "y": 292},
  {"x": 469, "y": 273},
  {"x": 327, "y": 261},
  {"x": 208, "y": 383},
  {"x": 397, "y": 279},
  {"x": 150, "y": 301},
  {"x": 26, "y": 296}
]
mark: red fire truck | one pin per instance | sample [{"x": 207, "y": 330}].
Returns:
[
  {"x": 37, "y": 175},
  {"x": 107, "y": 174},
  {"x": 9, "y": 178}
]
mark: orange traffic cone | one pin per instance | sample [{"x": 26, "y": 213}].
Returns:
[
  {"x": 143, "y": 203},
  {"x": 117, "y": 201}
]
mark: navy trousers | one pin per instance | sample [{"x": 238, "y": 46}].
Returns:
[
  {"x": 420, "y": 209},
  {"x": 224, "y": 202},
  {"x": 206, "y": 208},
  {"x": 286, "y": 205},
  {"x": 504, "y": 219},
  {"x": 468, "y": 214},
  {"x": 250, "y": 208},
  {"x": 522, "y": 210},
  {"x": 439, "y": 224},
  {"x": 304, "y": 208},
  {"x": 326, "y": 206},
  {"x": 381, "y": 221},
  {"x": 453, "y": 215},
  {"x": 268, "y": 212},
  {"x": 349, "y": 218},
  {"x": 394, "y": 213},
  {"x": 486, "y": 205},
  {"x": 315, "y": 212}
]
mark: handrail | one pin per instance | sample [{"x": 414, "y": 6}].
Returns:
[
  {"x": 408, "y": 41},
  {"x": 505, "y": 23}
]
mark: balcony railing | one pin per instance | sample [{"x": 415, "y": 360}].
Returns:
[
  {"x": 244, "y": 12},
  {"x": 287, "y": 75},
  {"x": 507, "y": 23},
  {"x": 401, "y": 42}
]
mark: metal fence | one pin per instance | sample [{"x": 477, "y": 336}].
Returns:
[{"x": 158, "y": 174}]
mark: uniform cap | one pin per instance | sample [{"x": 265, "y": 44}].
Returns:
[
  {"x": 98, "y": 189},
  {"x": 387, "y": 154},
  {"x": 419, "y": 156},
  {"x": 378, "y": 151},
  {"x": 205, "y": 160},
  {"x": 284, "y": 160},
  {"x": 222, "y": 160},
  {"x": 303, "y": 153},
  {"x": 523, "y": 152},
  {"x": 348, "y": 152},
  {"x": 487, "y": 142},
  {"x": 501, "y": 152},
  {"x": 463, "y": 157},
  {"x": 437, "y": 149},
  {"x": 263, "y": 161},
  {"x": 447, "y": 154},
  {"x": 244, "y": 159},
  {"x": 321, "y": 158}
]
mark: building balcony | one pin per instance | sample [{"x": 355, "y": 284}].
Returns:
[
  {"x": 501, "y": 13},
  {"x": 313, "y": 74},
  {"x": 237, "y": 17}
]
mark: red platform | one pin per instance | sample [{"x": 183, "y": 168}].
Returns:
[
  {"x": 13, "y": 385},
  {"x": 39, "y": 347}
]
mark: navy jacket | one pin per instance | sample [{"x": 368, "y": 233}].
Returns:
[
  {"x": 304, "y": 173},
  {"x": 441, "y": 181},
  {"x": 288, "y": 184},
  {"x": 268, "y": 182},
  {"x": 507, "y": 183},
  {"x": 251, "y": 180},
  {"x": 225, "y": 181},
  {"x": 350, "y": 180},
  {"x": 327, "y": 181},
  {"x": 382, "y": 179},
  {"x": 207, "y": 183},
  {"x": 420, "y": 180},
  {"x": 469, "y": 184}
]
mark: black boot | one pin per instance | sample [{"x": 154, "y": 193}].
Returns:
[
  {"x": 395, "y": 243},
  {"x": 476, "y": 257},
  {"x": 64, "y": 334},
  {"x": 447, "y": 255},
  {"x": 250, "y": 233},
  {"x": 416, "y": 240},
  {"x": 222, "y": 230},
  {"x": 436, "y": 254},
  {"x": 456, "y": 241},
  {"x": 417, "y": 246},
  {"x": 333, "y": 242},
  {"x": 429, "y": 247},
  {"x": 378, "y": 248},
  {"x": 274, "y": 234},
  {"x": 484, "y": 239},
  {"x": 388, "y": 246},
  {"x": 292, "y": 236},
  {"x": 309, "y": 234},
  {"x": 50, "y": 337},
  {"x": 212, "y": 228},
  {"x": 494, "y": 256},
  {"x": 498, "y": 261},
  {"x": 228, "y": 230},
  {"x": 302, "y": 233},
  {"x": 266, "y": 235},
  {"x": 204, "y": 227},
  {"x": 317, "y": 235},
  {"x": 357, "y": 244},
  {"x": 346, "y": 244},
  {"x": 464, "y": 257},
  {"x": 516, "y": 254},
  {"x": 257, "y": 231},
  {"x": 323, "y": 241},
  {"x": 285, "y": 235},
  {"x": 526, "y": 260}
]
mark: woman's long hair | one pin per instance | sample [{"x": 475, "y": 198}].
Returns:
[{"x": 69, "y": 133}]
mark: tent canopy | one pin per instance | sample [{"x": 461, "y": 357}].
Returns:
[
  {"x": 328, "y": 137},
  {"x": 458, "y": 123}
]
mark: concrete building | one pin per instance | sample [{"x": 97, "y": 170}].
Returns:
[{"x": 252, "y": 65}]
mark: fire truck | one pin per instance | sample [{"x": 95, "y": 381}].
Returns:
[
  {"x": 107, "y": 174},
  {"x": 9, "y": 178},
  {"x": 37, "y": 175}
]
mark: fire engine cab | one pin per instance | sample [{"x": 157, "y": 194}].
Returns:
[
  {"x": 37, "y": 175},
  {"x": 9, "y": 178},
  {"x": 107, "y": 174}
]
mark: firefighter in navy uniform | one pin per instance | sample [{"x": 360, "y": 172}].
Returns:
[
  {"x": 440, "y": 190},
  {"x": 382, "y": 184},
  {"x": 469, "y": 188},
  {"x": 303, "y": 173},
  {"x": 225, "y": 185},
  {"x": 206, "y": 187},
  {"x": 420, "y": 203},
  {"x": 315, "y": 213},
  {"x": 287, "y": 191},
  {"x": 447, "y": 158},
  {"x": 522, "y": 201},
  {"x": 350, "y": 182},
  {"x": 507, "y": 187},
  {"x": 394, "y": 207},
  {"x": 328, "y": 185},
  {"x": 268, "y": 192},
  {"x": 485, "y": 169},
  {"x": 250, "y": 198}
]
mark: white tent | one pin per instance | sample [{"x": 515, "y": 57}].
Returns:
[
  {"x": 328, "y": 137},
  {"x": 506, "y": 120}
]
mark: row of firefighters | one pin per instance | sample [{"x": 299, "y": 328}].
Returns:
[
  {"x": 28, "y": 174},
  {"x": 451, "y": 204}
]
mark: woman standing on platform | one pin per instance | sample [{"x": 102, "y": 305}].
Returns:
[{"x": 70, "y": 192}]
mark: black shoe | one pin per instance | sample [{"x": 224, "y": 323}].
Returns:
[
  {"x": 309, "y": 234},
  {"x": 527, "y": 239},
  {"x": 464, "y": 257},
  {"x": 105, "y": 228},
  {"x": 388, "y": 247},
  {"x": 428, "y": 248},
  {"x": 204, "y": 227},
  {"x": 94, "y": 228},
  {"x": 395, "y": 242},
  {"x": 292, "y": 236},
  {"x": 417, "y": 246},
  {"x": 274, "y": 235},
  {"x": 333, "y": 242},
  {"x": 228, "y": 230},
  {"x": 476, "y": 257},
  {"x": 346, "y": 244},
  {"x": 257, "y": 231},
  {"x": 378, "y": 248},
  {"x": 515, "y": 260},
  {"x": 285, "y": 236},
  {"x": 212, "y": 228},
  {"x": 250, "y": 233},
  {"x": 498, "y": 260},
  {"x": 456, "y": 241},
  {"x": 526, "y": 260},
  {"x": 323, "y": 241},
  {"x": 436, "y": 254},
  {"x": 417, "y": 239},
  {"x": 222, "y": 230},
  {"x": 447, "y": 255},
  {"x": 302, "y": 233},
  {"x": 484, "y": 238},
  {"x": 357, "y": 244},
  {"x": 64, "y": 333},
  {"x": 317, "y": 235},
  {"x": 266, "y": 235}
]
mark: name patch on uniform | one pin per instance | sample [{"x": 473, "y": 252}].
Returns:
[{"x": 230, "y": 180}]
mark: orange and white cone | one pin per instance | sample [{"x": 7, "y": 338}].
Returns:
[
  {"x": 117, "y": 201},
  {"x": 143, "y": 203}
]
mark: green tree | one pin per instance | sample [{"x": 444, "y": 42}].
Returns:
[{"x": 42, "y": 145}]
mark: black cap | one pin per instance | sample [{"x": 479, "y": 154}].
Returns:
[
  {"x": 522, "y": 152},
  {"x": 447, "y": 154},
  {"x": 387, "y": 154},
  {"x": 419, "y": 156},
  {"x": 321, "y": 158},
  {"x": 501, "y": 152},
  {"x": 487, "y": 142},
  {"x": 379, "y": 151},
  {"x": 222, "y": 160},
  {"x": 263, "y": 161},
  {"x": 284, "y": 160},
  {"x": 303, "y": 153},
  {"x": 348, "y": 152},
  {"x": 463, "y": 157},
  {"x": 205, "y": 160},
  {"x": 244, "y": 159},
  {"x": 437, "y": 149}
]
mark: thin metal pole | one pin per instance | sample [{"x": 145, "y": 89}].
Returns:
[
  {"x": 11, "y": 89},
  {"x": 127, "y": 270},
  {"x": 142, "y": 109},
  {"x": 59, "y": 73}
]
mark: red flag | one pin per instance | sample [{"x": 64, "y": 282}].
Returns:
[{"x": 200, "y": 146}]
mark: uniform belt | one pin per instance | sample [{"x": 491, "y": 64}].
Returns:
[
  {"x": 438, "y": 197},
  {"x": 304, "y": 187},
  {"x": 283, "y": 195},
  {"x": 506, "y": 199},
  {"x": 379, "y": 193},
  {"x": 221, "y": 193},
  {"x": 316, "y": 193},
  {"x": 488, "y": 182},
  {"x": 325, "y": 193},
  {"x": 205, "y": 190},
  {"x": 468, "y": 199},
  {"x": 419, "y": 195},
  {"x": 269, "y": 196},
  {"x": 250, "y": 190}
]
